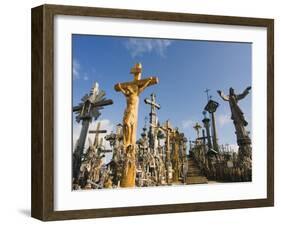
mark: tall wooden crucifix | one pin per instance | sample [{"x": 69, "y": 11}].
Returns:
[
  {"x": 175, "y": 158},
  {"x": 153, "y": 119},
  {"x": 168, "y": 130},
  {"x": 132, "y": 90}
]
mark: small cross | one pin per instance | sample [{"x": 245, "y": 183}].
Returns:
[
  {"x": 197, "y": 127},
  {"x": 97, "y": 132},
  {"x": 152, "y": 102},
  {"x": 207, "y": 92}
]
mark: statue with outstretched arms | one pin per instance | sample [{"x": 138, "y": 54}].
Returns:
[
  {"x": 131, "y": 91},
  {"x": 237, "y": 115}
]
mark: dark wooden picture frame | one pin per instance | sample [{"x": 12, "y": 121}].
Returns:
[{"x": 42, "y": 203}]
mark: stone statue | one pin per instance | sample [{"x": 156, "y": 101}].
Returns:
[
  {"x": 239, "y": 121},
  {"x": 236, "y": 113},
  {"x": 132, "y": 90},
  {"x": 152, "y": 134}
]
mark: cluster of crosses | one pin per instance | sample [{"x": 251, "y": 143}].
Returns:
[
  {"x": 161, "y": 152},
  {"x": 159, "y": 156},
  {"x": 221, "y": 162}
]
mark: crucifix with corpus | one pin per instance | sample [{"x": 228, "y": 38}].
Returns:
[
  {"x": 132, "y": 90},
  {"x": 153, "y": 119}
]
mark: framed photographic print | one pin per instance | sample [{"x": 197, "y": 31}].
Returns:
[{"x": 141, "y": 112}]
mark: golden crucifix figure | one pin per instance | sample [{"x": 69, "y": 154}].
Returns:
[{"x": 132, "y": 90}]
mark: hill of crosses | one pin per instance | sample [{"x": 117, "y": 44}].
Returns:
[{"x": 162, "y": 155}]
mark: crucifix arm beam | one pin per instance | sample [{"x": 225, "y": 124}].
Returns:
[
  {"x": 97, "y": 131},
  {"x": 119, "y": 87},
  {"x": 148, "y": 101},
  {"x": 105, "y": 151},
  {"x": 97, "y": 104},
  {"x": 201, "y": 138},
  {"x": 76, "y": 108},
  {"x": 165, "y": 129},
  {"x": 103, "y": 103},
  {"x": 147, "y": 81}
]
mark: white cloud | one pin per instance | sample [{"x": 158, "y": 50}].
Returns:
[
  {"x": 82, "y": 73},
  {"x": 187, "y": 123},
  {"x": 94, "y": 73},
  {"x": 76, "y": 69},
  {"x": 138, "y": 47},
  {"x": 223, "y": 120}
]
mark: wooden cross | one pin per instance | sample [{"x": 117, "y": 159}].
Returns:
[
  {"x": 168, "y": 130},
  {"x": 197, "y": 127},
  {"x": 141, "y": 83},
  {"x": 175, "y": 159},
  {"x": 152, "y": 119},
  {"x": 104, "y": 150},
  {"x": 132, "y": 90},
  {"x": 97, "y": 132},
  {"x": 94, "y": 105}
]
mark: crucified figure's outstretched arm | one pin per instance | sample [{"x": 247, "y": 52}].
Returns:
[
  {"x": 224, "y": 97},
  {"x": 124, "y": 91},
  {"x": 245, "y": 93},
  {"x": 146, "y": 84}
]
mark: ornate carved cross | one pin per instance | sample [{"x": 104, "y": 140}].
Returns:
[{"x": 132, "y": 90}]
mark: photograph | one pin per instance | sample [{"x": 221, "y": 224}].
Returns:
[
  {"x": 160, "y": 112},
  {"x": 138, "y": 112}
]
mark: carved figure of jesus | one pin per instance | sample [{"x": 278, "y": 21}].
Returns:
[
  {"x": 243, "y": 140},
  {"x": 236, "y": 114},
  {"x": 132, "y": 90},
  {"x": 131, "y": 93}
]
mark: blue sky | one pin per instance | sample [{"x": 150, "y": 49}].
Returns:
[{"x": 185, "y": 68}]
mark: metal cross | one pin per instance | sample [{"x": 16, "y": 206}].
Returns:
[
  {"x": 152, "y": 119},
  {"x": 207, "y": 92},
  {"x": 152, "y": 102}
]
